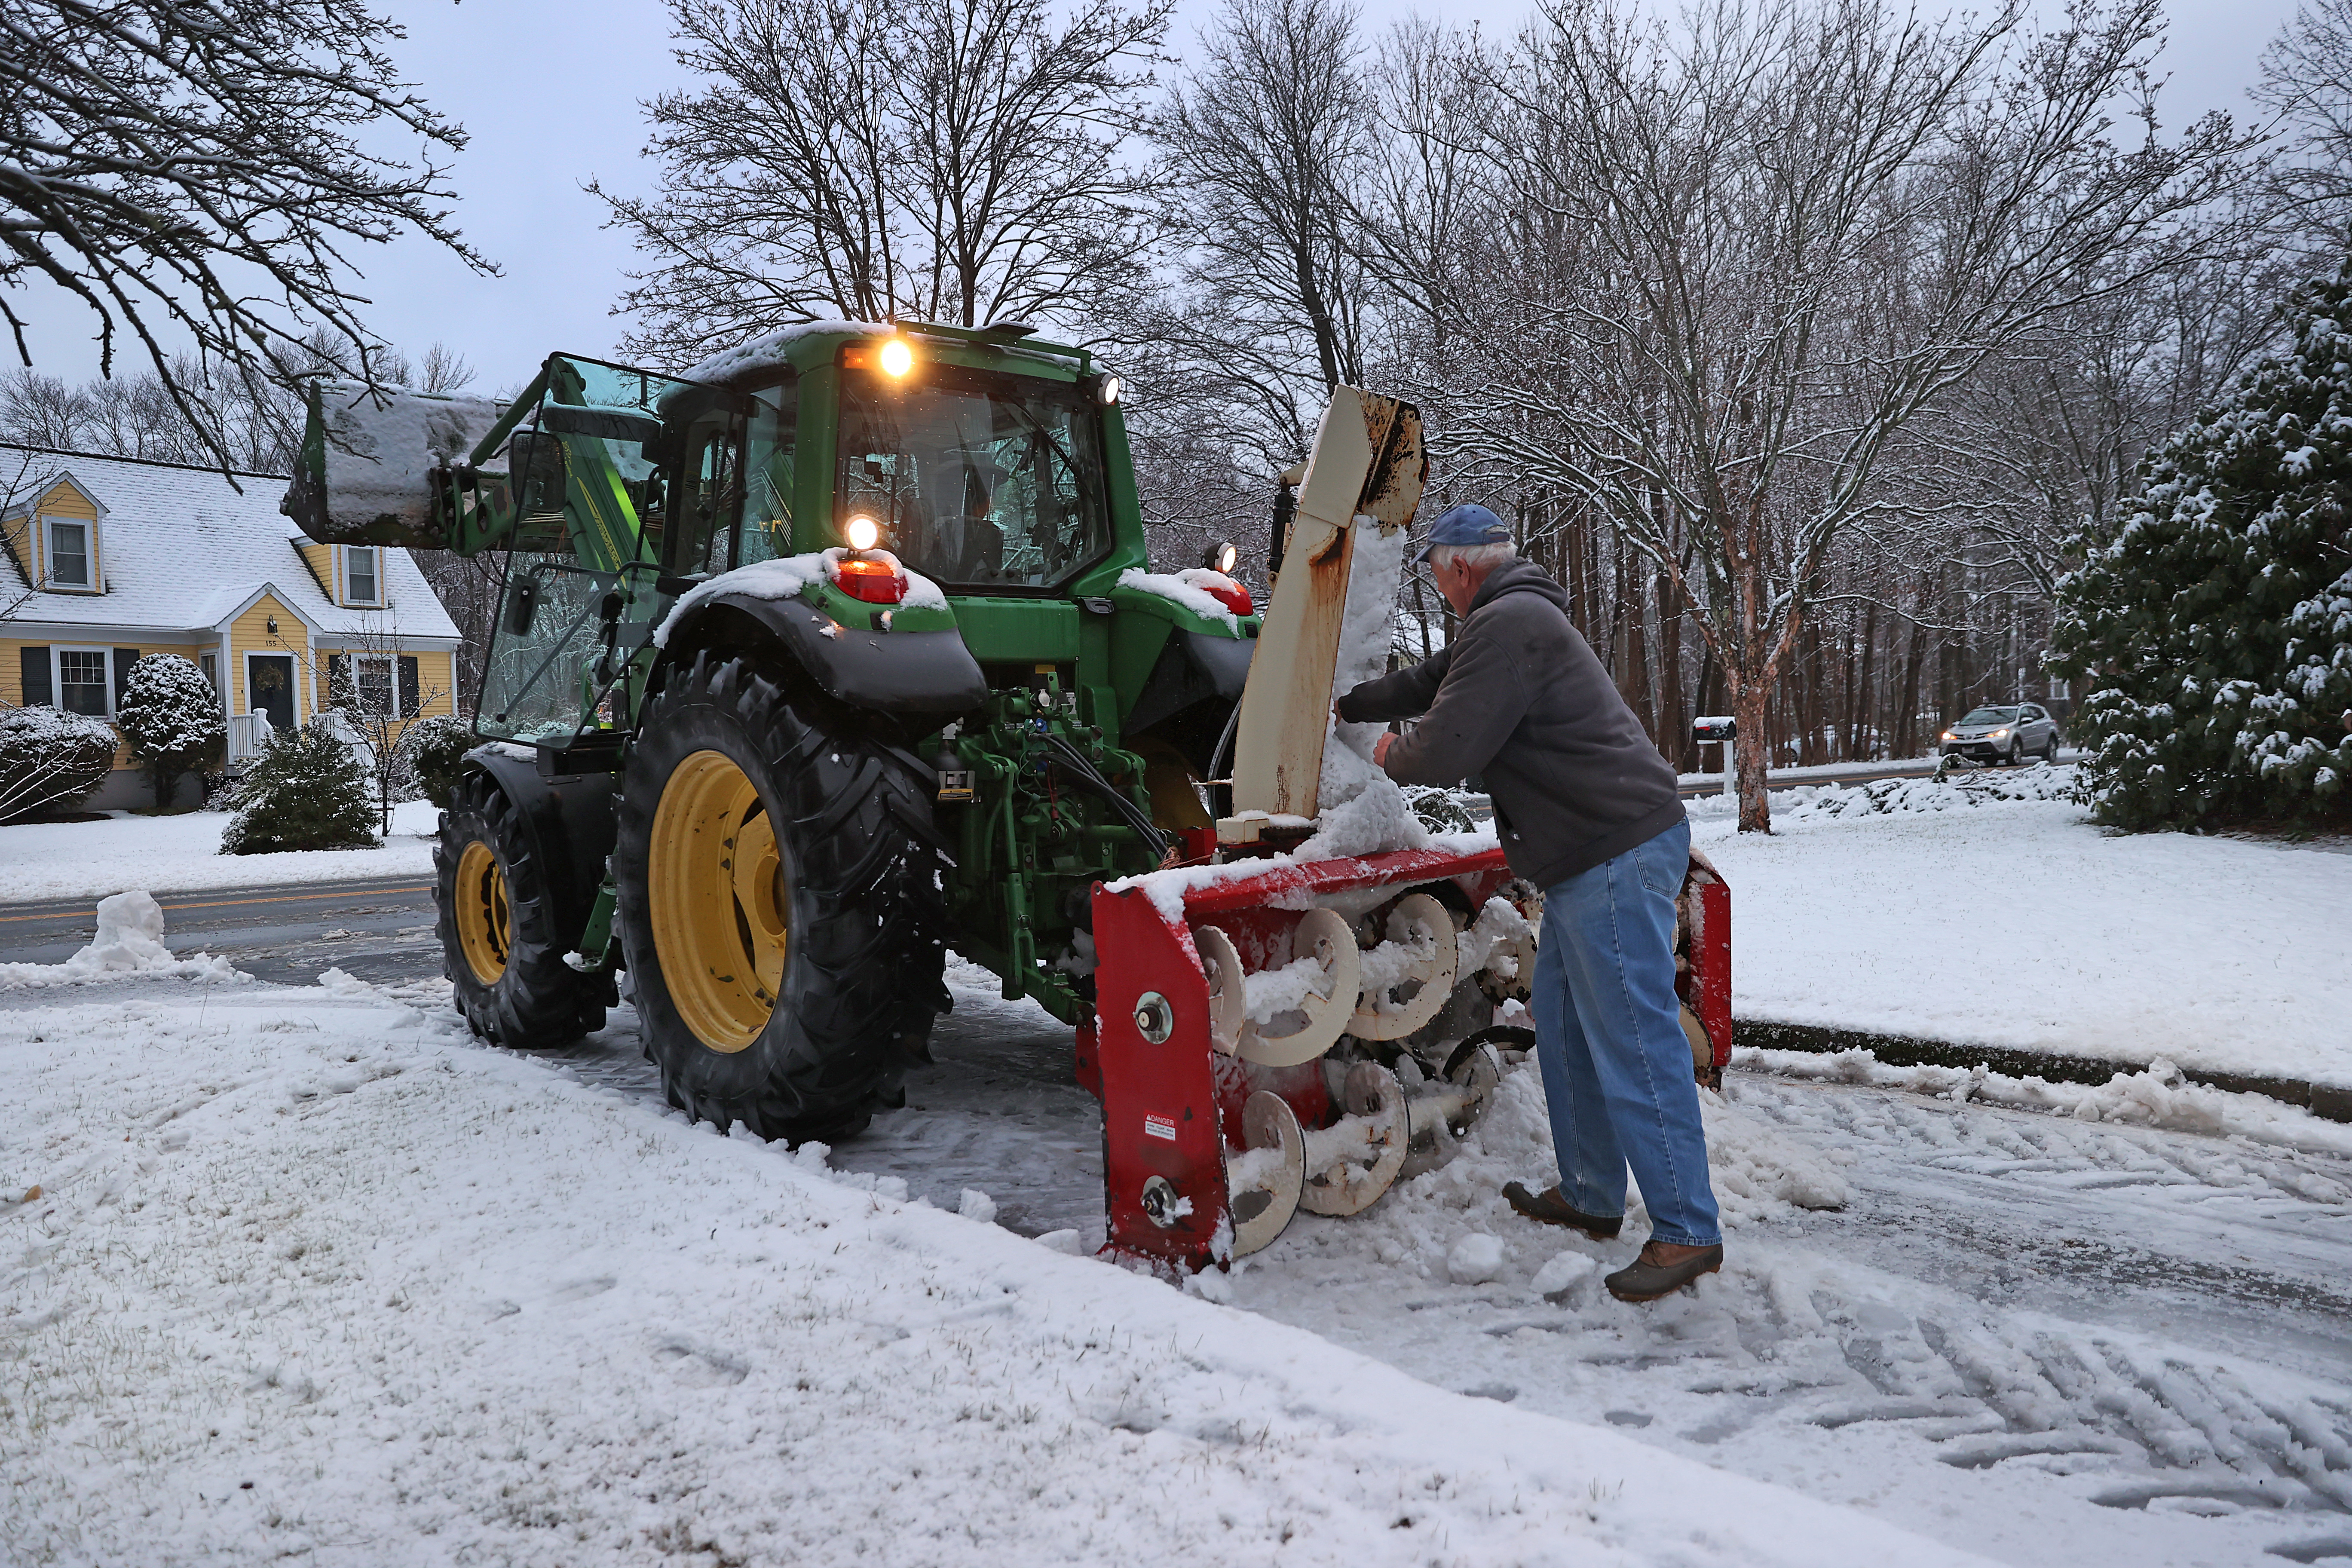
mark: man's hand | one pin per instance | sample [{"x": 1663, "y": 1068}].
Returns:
[{"x": 1381, "y": 748}]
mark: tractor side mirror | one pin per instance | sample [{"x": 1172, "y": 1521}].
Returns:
[{"x": 522, "y": 605}]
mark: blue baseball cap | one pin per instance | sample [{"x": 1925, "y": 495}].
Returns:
[{"x": 1467, "y": 524}]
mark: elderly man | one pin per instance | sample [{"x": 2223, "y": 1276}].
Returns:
[{"x": 1587, "y": 811}]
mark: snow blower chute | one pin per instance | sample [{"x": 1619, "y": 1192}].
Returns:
[{"x": 843, "y": 648}]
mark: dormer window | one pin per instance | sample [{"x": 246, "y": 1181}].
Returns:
[
  {"x": 68, "y": 559},
  {"x": 363, "y": 578}
]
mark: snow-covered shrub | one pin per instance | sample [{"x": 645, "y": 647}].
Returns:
[
  {"x": 435, "y": 749},
  {"x": 2214, "y": 633},
  {"x": 50, "y": 759},
  {"x": 172, "y": 719},
  {"x": 306, "y": 791}
]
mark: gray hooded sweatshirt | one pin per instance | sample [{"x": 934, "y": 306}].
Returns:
[{"x": 1519, "y": 700}]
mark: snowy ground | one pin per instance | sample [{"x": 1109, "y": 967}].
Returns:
[
  {"x": 182, "y": 854},
  {"x": 2016, "y": 923},
  {"x": 498, "y": 1308},
  {"x": 296, "y": 1275},
  {"x": 495, "y": 1309}
]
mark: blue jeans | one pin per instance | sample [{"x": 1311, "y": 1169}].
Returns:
[{"x": 1609, "y": 1034}]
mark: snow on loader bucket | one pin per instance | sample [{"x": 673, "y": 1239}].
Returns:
[{"x": 1276, "y": 1032}]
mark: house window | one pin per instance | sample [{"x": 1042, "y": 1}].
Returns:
[
  {"x": 360, "y": 584},
  {"x": 209, "y": 664},
  {"x": 69, "y": 554},
  {"x": 82, "y": 680},
  {"x": 374, "y": 685}
]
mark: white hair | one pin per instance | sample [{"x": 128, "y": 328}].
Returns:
[{"x": 1476, "y": 557}]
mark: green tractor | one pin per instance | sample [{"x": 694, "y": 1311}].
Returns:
[{"x": 837, "y": 649}]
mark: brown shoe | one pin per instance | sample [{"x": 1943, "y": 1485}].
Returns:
[
  {"x": 1550, "y": 1208},
  {"x": 1663, "y": 1268}
]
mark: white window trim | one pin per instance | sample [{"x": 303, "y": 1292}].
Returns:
[
  {"x": 57, "y": 674},
  {"x": 42, "y": 523},
  {"x": 287, "y": 655},
  {"x": 343, "y": 575},
  {"x": 391, "y": 675}
]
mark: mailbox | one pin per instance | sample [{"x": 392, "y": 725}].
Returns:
[{"x": 1713, "y": 731}]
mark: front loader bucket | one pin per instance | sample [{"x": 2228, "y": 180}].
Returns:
[
  {"x": 372, "y": 460},
  {"x": 1186, "y": 1108}
]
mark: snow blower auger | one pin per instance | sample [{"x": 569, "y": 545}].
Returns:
[{"x": 845, "y": 647}]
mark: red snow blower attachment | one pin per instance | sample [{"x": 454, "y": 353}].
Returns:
[{"x": 1276, "y": 1034}]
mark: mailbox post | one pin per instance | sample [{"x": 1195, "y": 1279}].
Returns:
[{"x": 1719, "y": 732}]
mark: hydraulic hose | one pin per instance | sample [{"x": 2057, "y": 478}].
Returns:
[{"x": 1118, "y": 799}]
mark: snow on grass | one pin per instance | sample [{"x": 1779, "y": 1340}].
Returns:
[
  {"x": 305, "y": 1278},
  {"x": 182, "y": 854},
  {"x": 1963, "y": 917},
  {"x": 2159, "y": 1097}
]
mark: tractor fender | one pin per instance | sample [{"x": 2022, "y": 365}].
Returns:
[
  {"x": 888, "y": 672},
  {"x": 570, "y": 822},
  {"x": 1192, "y": 667}
]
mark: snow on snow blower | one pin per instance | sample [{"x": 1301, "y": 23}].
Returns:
[{"x": 843, "y": 647}]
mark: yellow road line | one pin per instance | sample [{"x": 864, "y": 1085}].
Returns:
[{"x": 280, "y": 899}]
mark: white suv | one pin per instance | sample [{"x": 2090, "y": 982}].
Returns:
[{"x": 2003, "y": 735}]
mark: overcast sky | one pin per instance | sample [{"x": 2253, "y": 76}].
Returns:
[{"x": 549, "y": 90}]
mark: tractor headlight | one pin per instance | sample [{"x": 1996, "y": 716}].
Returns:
[
  {"x": 1222, "y": 557},
  {"x": 1107, "y": 391},
  {"x": 897, "y": 358},
  {"x": 861, "y": 532}
]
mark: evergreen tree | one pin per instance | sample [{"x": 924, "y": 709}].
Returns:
[
  {"x": 307, "y": 791},
  {"x": 172, "y": 718},
  {"x": 2214, "y": 633},
  {"x": 434, "y": 748},
  {"x": 49, "y": 760}
]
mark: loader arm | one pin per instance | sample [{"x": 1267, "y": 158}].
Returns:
[{"x": 569, "y": 466}]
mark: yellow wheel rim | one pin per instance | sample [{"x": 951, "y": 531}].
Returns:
[
  {"x": 715, "y": 882},
  {"x": 484, "y": 923}
]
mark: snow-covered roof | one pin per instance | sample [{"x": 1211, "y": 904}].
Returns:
[{"x": 182, "y": 549}]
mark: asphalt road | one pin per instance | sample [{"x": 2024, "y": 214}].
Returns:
[{"x": 378, "y": 928}]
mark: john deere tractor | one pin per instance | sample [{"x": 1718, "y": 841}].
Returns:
[{"x": 806, "y": 664}]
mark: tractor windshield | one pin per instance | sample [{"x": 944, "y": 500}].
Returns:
[{"x": 980, "y": 480}]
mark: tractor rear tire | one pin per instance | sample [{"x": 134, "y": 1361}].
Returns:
[
  {"x": 501, "y": 942},
  {"x": 778, "y": 876}
]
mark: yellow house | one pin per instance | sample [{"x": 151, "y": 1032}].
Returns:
[{"x": 109, "y": 558}]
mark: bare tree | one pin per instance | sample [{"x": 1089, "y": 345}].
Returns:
[
  {"x": 468, "y": 587},
  {"x": 952, "y": 159},
  {"x": 202, "y": 168},
  {"x": 257, "y": 418},
  {"x": 1784, "y": 234},
  {"x": 2306, "y": 82},
  {"x": 368, "y": 685}
]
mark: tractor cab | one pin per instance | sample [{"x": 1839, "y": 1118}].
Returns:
[{"x": 984, "y": 470}]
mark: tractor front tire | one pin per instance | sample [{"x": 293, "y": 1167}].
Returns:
[
  {"x": 501, "y": 944},
  {"x": 778, "y": 874}
]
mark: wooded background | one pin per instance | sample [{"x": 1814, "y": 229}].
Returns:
[{"x": 1808, "y": 343}]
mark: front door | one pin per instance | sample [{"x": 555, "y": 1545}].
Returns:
[{"x": 271, "y": 677}]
